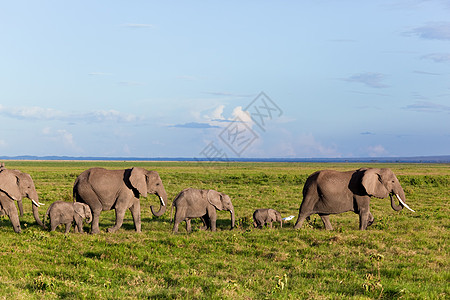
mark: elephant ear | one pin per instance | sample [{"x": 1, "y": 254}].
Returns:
[
  {"x": 9, "y": 184},
  {"x": 373, "y": 184},
  {"x": 138, "y": 181},
  {"x": 215, "y": 199},
  {"x": 79, "y": 209}
]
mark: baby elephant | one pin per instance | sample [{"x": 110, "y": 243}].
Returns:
[
  {"x": 195, "y": 203},
  {"x": 66, "y": 212},
  {"x": 266, "y": 216}
]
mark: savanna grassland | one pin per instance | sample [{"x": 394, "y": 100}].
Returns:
[{"x": 403, "y": 255}]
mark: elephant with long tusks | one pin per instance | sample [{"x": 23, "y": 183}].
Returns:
[
  {"x": 14, "y": 186},
  {"x": 331, "y": 192}
]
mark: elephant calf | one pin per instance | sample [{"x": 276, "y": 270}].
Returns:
[
  {"x": 195, "y": 203},
  {"x": 66, "y": 212},
  {"x": 264, "y": 216}
]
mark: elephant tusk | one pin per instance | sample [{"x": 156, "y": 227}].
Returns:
[
  {"x": 403, "y": 203},
  {"x": 162, "y": 201},
  {"x": 41, "y": 203},
  {"x": 35, "y": 203}
]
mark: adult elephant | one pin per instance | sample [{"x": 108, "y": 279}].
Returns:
[
  {"x": 331, "y": 192},
  {"x": 14, "y": 185},
  {"x": 103, "y": 189}
]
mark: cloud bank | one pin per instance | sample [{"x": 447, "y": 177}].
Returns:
[
  {"x": 370, "y": 79},
  {"x": 432, "y": 31},
  {"x": 36, "y": 113}
]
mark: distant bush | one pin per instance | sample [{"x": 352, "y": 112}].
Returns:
[
  {"x": 425, "y": 180},
  {"x": 264, "y": 179}
]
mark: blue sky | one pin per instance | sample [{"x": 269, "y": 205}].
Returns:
[{"x": 184, "y": 78}]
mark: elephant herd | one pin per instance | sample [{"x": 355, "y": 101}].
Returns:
[{"x": 97, "y": 189}]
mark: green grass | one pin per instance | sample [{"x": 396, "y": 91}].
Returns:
[{"x": 403, "y": 255}]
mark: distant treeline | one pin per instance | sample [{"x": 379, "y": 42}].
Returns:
[{"x": 418, "y": 159}]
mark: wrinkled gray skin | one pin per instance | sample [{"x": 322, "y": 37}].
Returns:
[
  {"x": 14, "y": 185},
  {"x": 331, "y": 192},
  {"x": 61, "y": 212},
  {"x": 194, "y": 203},
  {"x": 103, "y": 189},
  {"x": 264, "y": 216}
]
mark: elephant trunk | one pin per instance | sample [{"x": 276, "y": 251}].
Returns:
[
  {"x": 162, "y": 208},
  {"x": 400, "y": 196},
  {"x": 20, "y": 205},
  {"x": 34, "y": 207},
  {"x": 395, "y": 206}
]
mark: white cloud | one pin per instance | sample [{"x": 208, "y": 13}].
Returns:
[
  {"x": 376, "y": 151},
  {"x": 217, "y": 114},
  {"x": 216, "y": 118},
  {"x": 48, "y": 114},
  {"x": 113, "y": 115},
  {"x": 66, "y": 137},
  {"x": 432, "y": 31},
  {"x": 238, "y": 113},
  {"x": 437, "y": 57},
  {"x": 426, "y": 106},
  {"x": 371, "y": 79},
  {"x": 30, "y": 113},
  {"x": 61, "y": 137},
  {"x": 307, "y": 145}
]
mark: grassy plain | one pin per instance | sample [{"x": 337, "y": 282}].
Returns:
[{"x": 403, "y": 255}]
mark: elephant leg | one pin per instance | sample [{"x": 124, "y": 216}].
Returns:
[
  {"x": 175, "y": 227},
  {"x": 68, "y": 226},
  {"x": 206, "y": 222},
  {"x": 270, "y": 224},
  {"x": 120, "y": 214},
  {"x": 136, "y": 214},
  {"x": 53, "y": 224},
  {"x": 180, "y": 214},
  {"x": 188, "y": 225},
  {"x": 10, "y": 210},
  {"x": 95, "y": 221},
  {"x": 364, "y": 218},
  {"x": 78, "y": 224},
  {"x": 300, "y": 220},
  {"x": 212, "y": 215},
  {"x": 370, "y": 219},
  {"x": 326, "y": 221}
]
